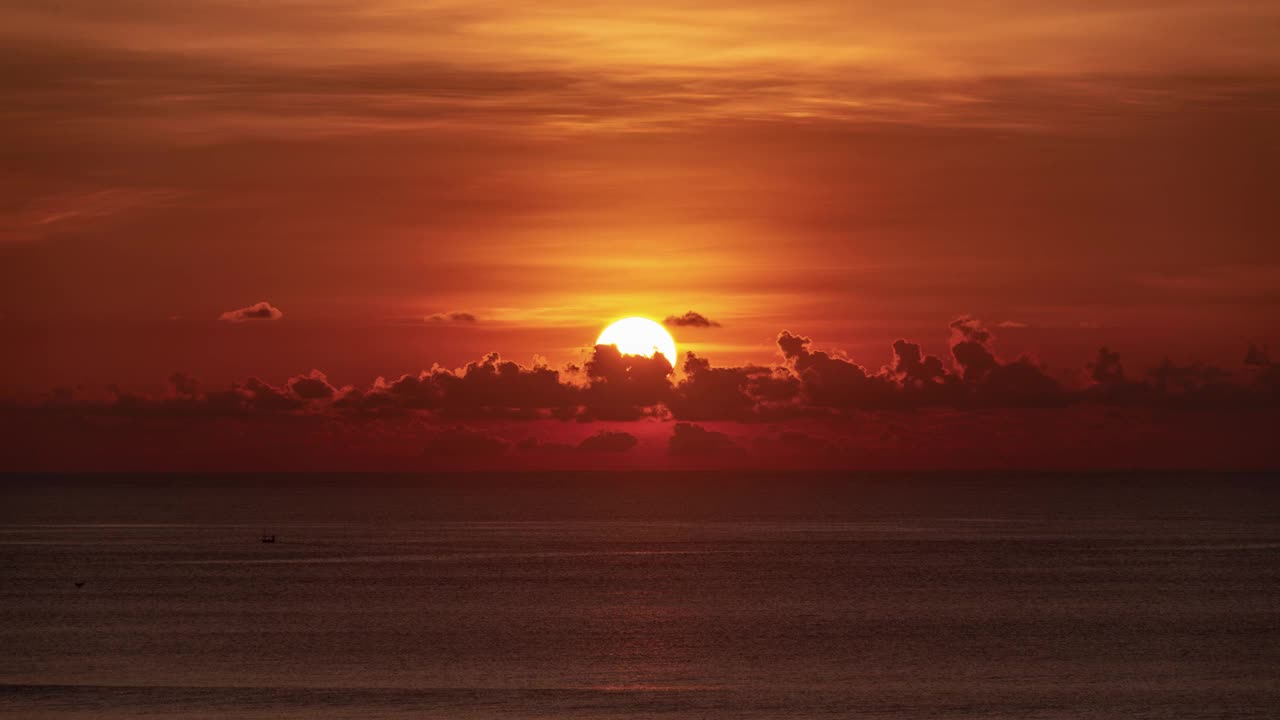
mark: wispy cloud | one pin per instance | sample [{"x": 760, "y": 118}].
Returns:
[
  {"x": 567, "y": 67},
  {"x": 48, "y": 215}
]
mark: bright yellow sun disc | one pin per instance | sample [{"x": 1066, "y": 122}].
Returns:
[{"x": 639, "y": 336}]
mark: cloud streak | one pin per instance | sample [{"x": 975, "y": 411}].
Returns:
[{"x": 588, "y": 82}]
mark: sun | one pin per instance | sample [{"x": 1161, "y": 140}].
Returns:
[{"x": 639, "y": 336}]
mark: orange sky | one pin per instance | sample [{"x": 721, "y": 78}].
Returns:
[{"x": 1084, "y": 173}]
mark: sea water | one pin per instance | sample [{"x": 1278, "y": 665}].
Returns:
[{"x": 683, "y": 596}]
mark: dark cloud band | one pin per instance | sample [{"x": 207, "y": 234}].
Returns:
[{"x": 612, "y": 386}]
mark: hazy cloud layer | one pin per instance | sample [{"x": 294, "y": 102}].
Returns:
[{"x": 569, "y": 66}]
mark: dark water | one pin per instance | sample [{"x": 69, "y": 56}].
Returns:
[{"x": 634, "y": 596}]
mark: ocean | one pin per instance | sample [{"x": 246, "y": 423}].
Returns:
[{"x": 970, "y": 595}]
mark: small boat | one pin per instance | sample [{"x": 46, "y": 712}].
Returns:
[
  {"x": 80, "y": 583},
  {"x": 268, "y": 538}
]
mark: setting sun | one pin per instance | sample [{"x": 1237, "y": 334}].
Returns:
[{"x": 639, "y": 336}]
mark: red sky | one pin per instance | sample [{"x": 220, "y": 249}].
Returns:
[{"x": 1076, "y": 174}]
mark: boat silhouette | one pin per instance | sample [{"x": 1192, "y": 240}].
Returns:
[{"x": 268, "y": 538}]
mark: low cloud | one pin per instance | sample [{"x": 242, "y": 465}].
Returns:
[
  {"x": 608, "y": 441},
  {"x": 312, "y": 386},
  {"x": 462, "y": 443},
  {"x": 735, "y": 393},
  {"x": 623, "y": 387},
  {"x": 456, "y": 317},
  {"x": 488, "y": 388},
  {"x": 1257, "y": 356},
  {"x": 689, "y": 440},
  {"x": 690, "y": 319},
  {"x": 257, "y": 311},
  {"x": 796, "y": 441},
  {"x": 807, "y": 382}
]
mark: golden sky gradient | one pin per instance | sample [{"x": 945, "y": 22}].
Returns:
[{"x": 1086, "y": 173}]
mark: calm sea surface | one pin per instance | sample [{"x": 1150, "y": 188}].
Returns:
[{"x": 927, "y": 596}]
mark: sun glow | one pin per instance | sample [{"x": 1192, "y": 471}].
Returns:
[{"x": 639, "y": 336}]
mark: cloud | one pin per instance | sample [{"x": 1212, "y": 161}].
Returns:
[
  {"x": 533, "y": 444},
  {"x": 623, "y": 387},
  {"x": 1106, "y": 382},
  {"x": 1198, "y": 385},
  {"x": 74, "y": 210},
  {"x": 312, "y": 386},
  {"x": 690, "y": 319},
  {"x": 63, "y": 61},
  {"x": 611, "y": 386},
  {"x": 990, "y": 382},
  {"x": 1106, "y": 368},
  {"x": 608, "y": 441},
  {"x": 456, "y": 317},
  {"x": 1266, "y": 375},
  {"x": 488, "y": 388},
  {"x": 460, "y": 443},
  {"x": 731, "y": 393},
  {"x": 830, "y": 382},
  {"x": 689, "y": 440},
  {"x": 186, "y": 398},
  {"x": 258, "y": 395},
  {"x": 183, "y": 386},
  {"x": 257, "y": 311},
  {"x": 915, "y": 369},
  {"x": 1257, "y": 355},
  {"x": 969, "y": 342},
  {"x": 796, "y": 441}
]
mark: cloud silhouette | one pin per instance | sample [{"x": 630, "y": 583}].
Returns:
[
  {"x": 460, "y": 442},
  {"x": 257, "y": 311},
  {"x": 255, "y": 394},
  {"x": 457, "y": 317},
  {"x": 1257, "y": 355},
  {"x": 616, "y": 387},
  {"x": 608, "y": 441},
  {"x": 1019, "y": 383},
  {"x": 488, "y": 388},
  {"x": 731, "y": 393},
  {"x": 312, "y": 386},
  {"x": 533, "y": 444},
  {"x": 796, "y": 441},
  {"x": 921, "y": 376},
  {"x": 623, "y": 387},
  {"x": 689, "y": 440},
  {"x": 690, "y": 319},
  {"x": 831, "y": 382}
]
